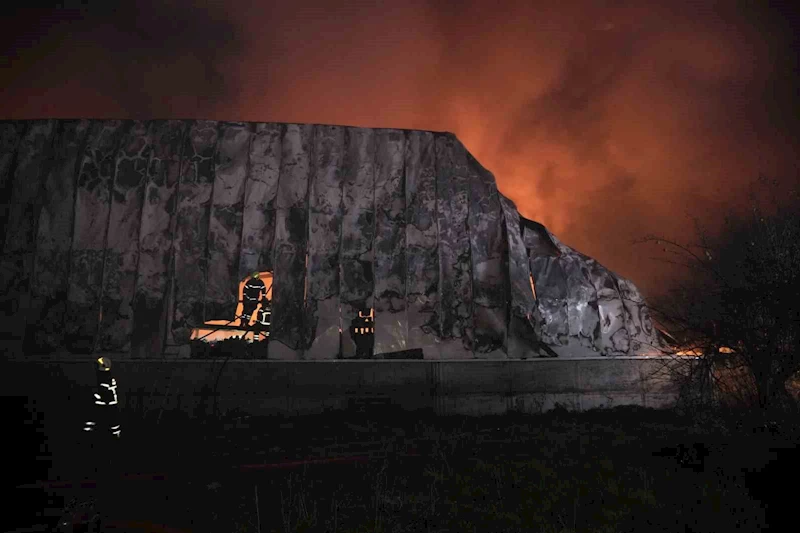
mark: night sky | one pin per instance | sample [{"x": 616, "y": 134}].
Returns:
[{"x": 606, "y": 121}]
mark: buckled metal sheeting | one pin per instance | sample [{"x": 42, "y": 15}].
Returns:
[
  {"x": 584, "y": 308},
  {"x": 405, "y": 222}
]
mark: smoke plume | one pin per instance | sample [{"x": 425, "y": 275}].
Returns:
[{"x": 603, "y": 120}]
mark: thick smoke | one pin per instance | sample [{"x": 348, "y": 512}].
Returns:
[
  {"x": 127, "y": 59},
  {"x": 605, "y": 121}
]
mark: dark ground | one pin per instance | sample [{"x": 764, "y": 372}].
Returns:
[{"x": 623, "y": 469}]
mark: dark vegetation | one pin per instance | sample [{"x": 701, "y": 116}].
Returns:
[
  {"x": 620, "y": 469},
  {"x": 739, "y": 302}
]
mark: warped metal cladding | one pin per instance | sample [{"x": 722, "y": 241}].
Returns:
[
  {"x": 123, "y": 235},
  {"x": 584, "y": 308}
]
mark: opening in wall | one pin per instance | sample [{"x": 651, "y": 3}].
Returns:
[
  {"x": 362, "y": 331},
  {"x": 253, "y": 316}
]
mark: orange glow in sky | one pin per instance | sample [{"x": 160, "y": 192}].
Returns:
[{"x": 605, "y": 121}]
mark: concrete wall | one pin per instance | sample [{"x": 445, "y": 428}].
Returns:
[{"x": 474, "y": 387}]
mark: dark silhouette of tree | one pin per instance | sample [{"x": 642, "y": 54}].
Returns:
[{"x": 740, "y": 303}]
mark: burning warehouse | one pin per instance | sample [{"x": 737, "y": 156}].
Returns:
[{"x": 132, "y": 237}]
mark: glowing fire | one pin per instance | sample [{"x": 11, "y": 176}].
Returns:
[
  {"x": 211, "y": 334},
  {"x": 696, "y": 352}
]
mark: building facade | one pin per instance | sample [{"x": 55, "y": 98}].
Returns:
[{"x": 123, "y": 236}]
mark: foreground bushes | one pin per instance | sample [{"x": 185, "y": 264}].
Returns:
[{"x": 603, "y": 470}]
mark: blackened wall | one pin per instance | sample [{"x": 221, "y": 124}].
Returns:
[{"x": 122, "y": 235}]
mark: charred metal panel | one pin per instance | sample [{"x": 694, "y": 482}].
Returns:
[
  {"x": 549, "y": 277},
  {"x": 522, "y": 301},
  {"x": 291, "y": 236},
  {"x": 489, "y": 247},
  {"x": 358, "y": 229},
  {"x": 54, "y": 238},
  {"x": 583, "y": 317},
  {"x": 16, "y": 265},
  {"x": 324, "y": 226},
  {"x": 191, "y": 232},
  {"x": 537, "y": 239},
  {"x": 11, "y": 132},
  {"x": 155, "y": 267},
  {"x": 601, "y": 308},
  {"x": 422, "y": 281},
  {"x": 391, "y": 324},
  {"x": 92, "y": 206},
  {"x": 455, "y": 269},
  {"x": 10, "y": 136},
  {"x": 550, "y": 283},
  {"x": 613, "y": 339},
  {"x": 225, "y": 224},
  {"x": 522, "y": 334},
  {"x": 261, "y": 189},
  {"x": 643, "y": 338},
  {"x": 122, "y": 244},
  {"x": 33, "y": 159}
]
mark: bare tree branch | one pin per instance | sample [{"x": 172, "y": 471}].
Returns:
[{"x": 739, "y": 304}]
